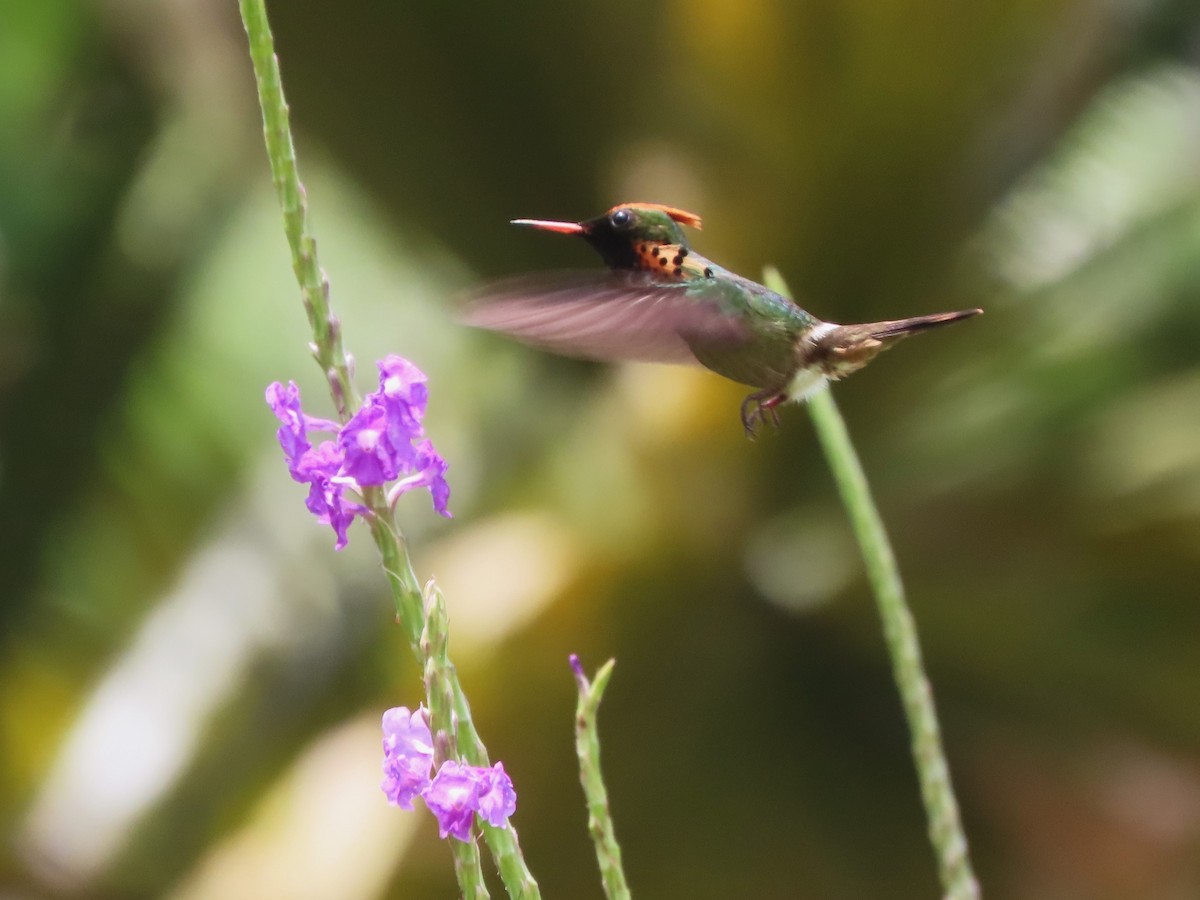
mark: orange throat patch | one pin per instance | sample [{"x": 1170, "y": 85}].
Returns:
[{"x": 671, "y": 261}]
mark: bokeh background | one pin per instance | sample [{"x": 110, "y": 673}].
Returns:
[{"x": 191, "y": 678}]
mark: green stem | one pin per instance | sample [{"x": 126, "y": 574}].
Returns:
[
  {"x": 442, "y": 717},
  {"x": 587, "y": 748},
  {"x": 314, "y": 287},
  {"x": 502, "y": 843},
  {"x": 397, "y": 566},
  {"x": 330, "y": 355},
  {"x": 467, "y": 870},
  {"x": 900, "y": 632}
]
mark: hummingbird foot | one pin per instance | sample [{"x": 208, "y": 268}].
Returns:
[{"x": 760, "y": 407}]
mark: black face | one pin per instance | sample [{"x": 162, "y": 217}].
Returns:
[{"x": 610, "y": 235}]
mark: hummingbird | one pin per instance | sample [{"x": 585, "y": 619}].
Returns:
[{"x": 660, "y": 301}]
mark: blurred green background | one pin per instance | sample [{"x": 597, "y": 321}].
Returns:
[{"x": 191, "y": 678}]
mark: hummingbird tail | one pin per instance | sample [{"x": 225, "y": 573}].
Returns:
[{"x": 842, "y": 349}]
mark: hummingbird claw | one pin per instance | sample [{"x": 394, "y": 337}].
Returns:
[{"x": 760, "y": 407}]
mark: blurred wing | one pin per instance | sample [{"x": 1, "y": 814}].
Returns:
[{"x": 604, "y": 315}]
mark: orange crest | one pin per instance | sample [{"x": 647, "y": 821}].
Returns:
[{"x": 682, "y": 216}]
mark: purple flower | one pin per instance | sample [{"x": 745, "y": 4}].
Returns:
[
  {"x": 382, "y": 442},
  {"x": 371, "y": 456},
  {"x": 453, "y": 798},
  {"x": 293, "y": 436},
  {"x": 430, "y": 472},
  {"x": 456, "y": 793},
  {"x": 407, "y": 755},
  {"x": 318, "y": 467},
  {"x": 378, "y": 441},
  {"x": 577, "y": 668},
  {"x": 497, "y": 798},
  {"x": 403, "y": 384}
]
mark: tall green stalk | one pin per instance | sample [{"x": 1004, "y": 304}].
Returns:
[
  {"x": 587, "y": 748},
  {"x": 900, "y": 632},
  {"x": 407, "y": 596},
  {"x": 327, "y": 335},
  {"x": 442, "y": 717}
]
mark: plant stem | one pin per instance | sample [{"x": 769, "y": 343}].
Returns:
[
  {"x": 314, "y": 287},
  {"x": 442, "y": 723},
  {"x": 330, "y": 355},
  {"x": 502, "y": 843},
  {"x": 587, "y": 748},
  {"x": 900, "y": 632},
  {"x": 397, "y": 566}
]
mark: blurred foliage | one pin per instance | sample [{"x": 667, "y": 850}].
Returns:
[{"x": 191, "y": 678}]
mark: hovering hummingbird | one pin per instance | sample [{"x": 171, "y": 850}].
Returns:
[{"x": 661, "y": 302}]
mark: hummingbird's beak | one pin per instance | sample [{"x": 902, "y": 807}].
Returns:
[{"x": 547, "y": 225}]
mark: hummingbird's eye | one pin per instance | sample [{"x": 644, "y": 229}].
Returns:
[{"x": 621, "y": 218}]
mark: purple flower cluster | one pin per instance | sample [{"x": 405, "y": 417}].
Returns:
[
  {"x": 456, "y": 793},
  {"x": 382, "y": 442}
]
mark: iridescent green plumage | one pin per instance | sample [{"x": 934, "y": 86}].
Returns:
[{"x": 661, "y": 302}]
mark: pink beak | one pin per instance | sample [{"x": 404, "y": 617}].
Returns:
[{"x": 547, "y": 225}]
